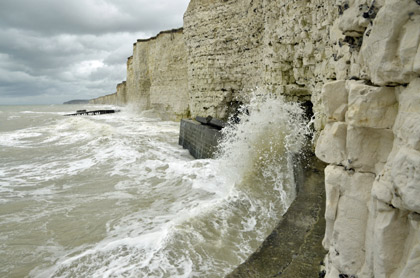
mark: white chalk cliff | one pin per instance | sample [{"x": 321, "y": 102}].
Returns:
[
  {"x": 371, "y": 140},
  {"x": 156, "y": 77},
  {"x": 357, "y": 61}
]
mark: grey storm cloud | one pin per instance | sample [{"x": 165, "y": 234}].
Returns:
[
  {"x": 52, "y": 51},
  {"x": 90, "y": 16}
]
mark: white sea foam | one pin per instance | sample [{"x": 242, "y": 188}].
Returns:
[
  {"x": 19, "y": 138},
  {"x": 42, "y": 113},
  {"x": 13, "y": 117}
]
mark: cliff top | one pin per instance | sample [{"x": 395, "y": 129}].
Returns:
[{"x": 178, "y": 30}]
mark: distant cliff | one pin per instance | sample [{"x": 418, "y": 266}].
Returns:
[
  {"x": 357, "y": 62},
  {"x": 156, "y": 77},
  {"x": 77, "y": 101}
]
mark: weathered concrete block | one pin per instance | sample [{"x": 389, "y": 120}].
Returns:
[{"x": 200, "y": 140}]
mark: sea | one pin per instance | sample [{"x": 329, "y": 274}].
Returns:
[{"x": 115, "y": 195}]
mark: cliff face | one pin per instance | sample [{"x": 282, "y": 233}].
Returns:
[
  {"x": 108, "y": 99},
  {"x": 156, "y": 77},
  {"x": 372, "y": 141},
  {"x": 118, "y": 98},
  {"x": 122, "y": 93},
  {"x": 235, "y": 46},
  {"x": 223, "y": 40},
  {"x": 359, "y": 63}
]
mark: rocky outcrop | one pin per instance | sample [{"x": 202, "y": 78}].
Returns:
[{"x": 371, "y": 141}]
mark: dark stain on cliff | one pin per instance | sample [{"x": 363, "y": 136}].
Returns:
[
  {"x": 342, "y": 8},
  {"x": 355, "y": 43},
  {"x": 372, "y": 11}
]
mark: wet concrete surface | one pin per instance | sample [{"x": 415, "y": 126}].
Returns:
[{"x": 294, "y": 248}]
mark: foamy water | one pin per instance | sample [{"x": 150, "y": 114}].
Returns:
[{"x": 115, "y": 196}]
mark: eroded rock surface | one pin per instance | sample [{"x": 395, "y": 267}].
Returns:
[
  {"x": 373, "y": 181},
  {"x": 233, "y": 47}
]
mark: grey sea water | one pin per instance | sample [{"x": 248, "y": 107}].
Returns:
[{"x": 115, "y": 196}]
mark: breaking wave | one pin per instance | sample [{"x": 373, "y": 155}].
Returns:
[{"x": 115, "y": 196}]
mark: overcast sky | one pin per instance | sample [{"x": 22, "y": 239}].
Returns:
[{"x": 52, "y": 51}]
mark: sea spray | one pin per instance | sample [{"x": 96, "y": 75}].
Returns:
[
  {"x": 255, "y": 160},
  {"x": 259, "y": 150}
]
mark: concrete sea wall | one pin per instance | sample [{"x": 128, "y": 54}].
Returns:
[
  {"x": 293, "y": 248},
  {"x": 200, "y": 140}
]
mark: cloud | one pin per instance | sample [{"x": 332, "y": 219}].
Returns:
[
  {"x": 90, "y": 16},
  {"x": 53, "y": 51}
]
